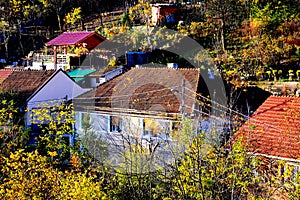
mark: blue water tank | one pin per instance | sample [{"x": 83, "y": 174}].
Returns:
[{"x": 136, "y": 58}]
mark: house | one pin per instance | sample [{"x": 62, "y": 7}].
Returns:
[
  {"x": 165, "y": 14},
  {"x": 57, "y": 89},
  {"x": 142, "y": 102},
  {"x": 37, "y": 89},
  {"x": 24, "y": 82},
  {"x": 79, "y": 75},
  {"x": 272, "y": 132},
  {"x": 99, "y": 77},
  {"x": 68, "y": 49},
  {"x": 90, "y": 78},
  {"x": 142, "y": 106}
]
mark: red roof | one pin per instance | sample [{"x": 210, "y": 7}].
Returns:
[
  {"x": 4, "y": 74},
  {"x": 92, "y": 39},
  {"x": 25, "y": 82},
  {"x": 147, "y": 89},
  {"x": 274, "y": 129}
]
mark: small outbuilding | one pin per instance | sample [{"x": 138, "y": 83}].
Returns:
[{"x": 65, "y": 47}]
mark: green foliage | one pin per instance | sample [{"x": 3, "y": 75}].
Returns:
[
  {"x": 215, "y": 175},
  {"x": 126, "y": 20}
]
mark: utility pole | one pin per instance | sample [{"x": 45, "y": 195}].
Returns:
[{"x": 183, "y": 99}]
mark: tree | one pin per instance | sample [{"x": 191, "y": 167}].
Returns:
[
  {"x": 140, "y": 13},
  {"x": 13, "y": 135},
  {"x": 56, "y": 120},
  {"x": 72, "y": 17},
  {"x": 226, "y": 15},
  {"x": 14, "y": 14},
  {"x": 58, "y": 7},
  {"x": 255, "y": 48},
  {"x": 30, "y": 175}
]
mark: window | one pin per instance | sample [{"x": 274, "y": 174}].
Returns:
[
  {"x": 116, "y": 124},
  {"x": 85, "y": 121},
  {"x": 151, "y": 127},
  {"x": 295, "y": 172}
]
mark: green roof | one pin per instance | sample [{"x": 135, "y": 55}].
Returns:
[
  {"x": 80, "y": 73},
  {"x": 78, "y": 79}
]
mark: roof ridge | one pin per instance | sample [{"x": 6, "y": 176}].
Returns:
[
  {"x": 286, "y": 96},
  {"x": 78, "y": 31},
  {"x": 19, "y": 69},
  {"x": 187, "y": 69}
]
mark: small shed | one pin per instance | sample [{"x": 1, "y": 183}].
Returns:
[
  {"x": 80, "y": 75},
  {"x": 88, "y": 40},
  {"x": 165, "y": 14}
]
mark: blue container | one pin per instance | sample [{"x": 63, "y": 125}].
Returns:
[{"x": 136, "y": 58}]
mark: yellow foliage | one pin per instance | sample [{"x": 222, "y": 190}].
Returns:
[
  {"x": 30, "y": 176},
  {"x": 73, "y": 16}
]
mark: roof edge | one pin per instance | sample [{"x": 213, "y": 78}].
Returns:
[
  {"x": 274, "y": 157},
  {"x": 41, "y": 87}
]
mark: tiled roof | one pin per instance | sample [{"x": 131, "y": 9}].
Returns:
[
  {"x": 72, "y": 38},
  {"x": 147, "y": 89},
  {"x": 4, "y": 74},
  {"x": 25, "y": 82},
  {"x": 274, "y": 129}
]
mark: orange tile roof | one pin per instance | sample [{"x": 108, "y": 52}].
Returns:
[
  {"x": 4, "y": 74},
  {"x": 274, "y": 129},
  {"x": 148, "y": 89},
  {"x": 25, "y": 82}
]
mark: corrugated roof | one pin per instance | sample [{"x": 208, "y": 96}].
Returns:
[
  {"x": 72, "y": 38},
  {"x": 274, "y": 129},
  {"x": 147, "y": 89},
  {"x": 25, "y": 82},
  {"x": 4, "y": 74},
  {"x": 80, "y": 73}
]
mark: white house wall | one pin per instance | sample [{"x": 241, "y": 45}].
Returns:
[
  {"x": 59, "y": 88},
  {"x": 133, "y": 126},
  {"x": 100, "y": 123}
]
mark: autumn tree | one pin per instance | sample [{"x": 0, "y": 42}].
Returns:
[
  {"x": 14, "y": 14},
  {"x": 30, "y": 175},
  {"x": 264, "y": 41},
  {"x": 140, "y": 13},
  {"x": 226, "y": 16},
  {"x": 56, "y": 122}
]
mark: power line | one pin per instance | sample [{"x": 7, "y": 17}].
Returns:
[
  {"x": 236, "y": 112},
  {"x": 49, "y": 100},
  {"x": 128, "y": 95},
  {"x": 123, "y": 100}
]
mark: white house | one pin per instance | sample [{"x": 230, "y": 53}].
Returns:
[
  {"x": 143, "y": 104},
  {"x": 57, "y": 89},
  {"x": 141, "y": 107}
]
